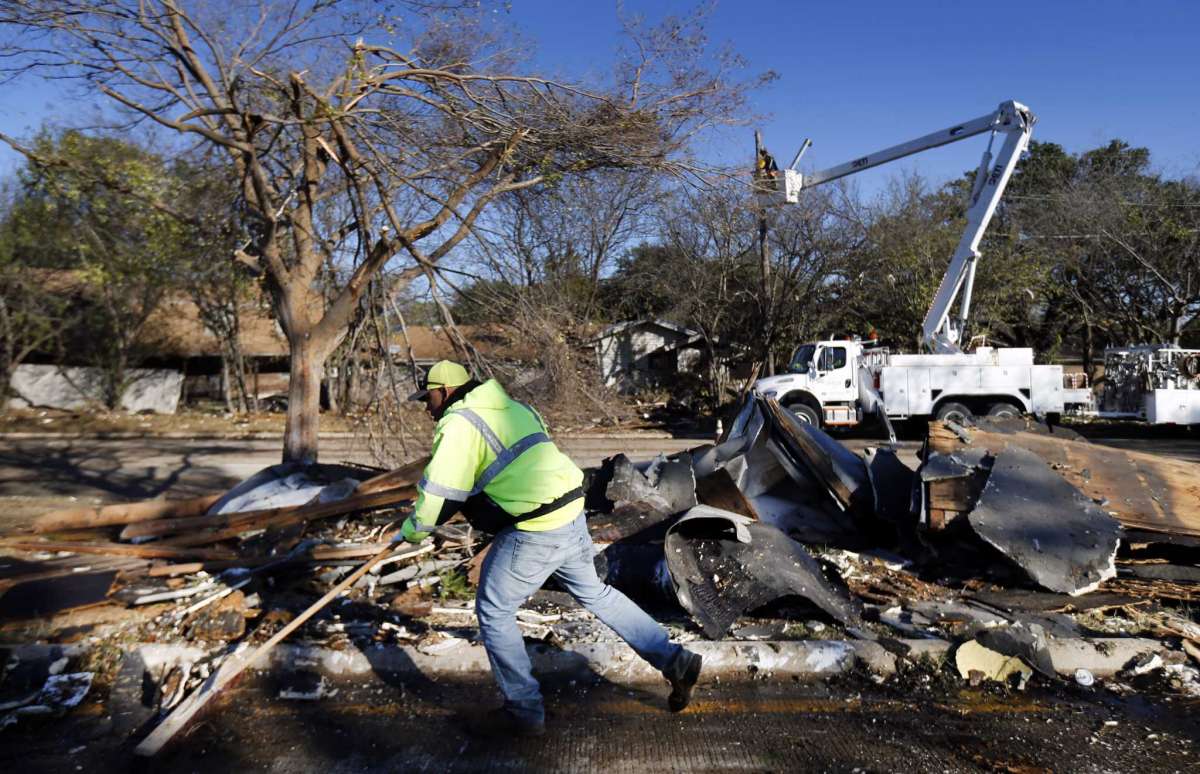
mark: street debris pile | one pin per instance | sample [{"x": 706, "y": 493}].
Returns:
[
  {"x": 1011, "y": 536},
  {"x": 1026, "y": 549}
]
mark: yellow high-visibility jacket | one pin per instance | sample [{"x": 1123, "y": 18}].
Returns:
[{"x": 487, "y": 442}]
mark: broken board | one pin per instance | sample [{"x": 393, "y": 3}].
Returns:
[{"x": 1143, "y": 491}]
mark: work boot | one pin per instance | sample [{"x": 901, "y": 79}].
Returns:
[
  {"x": 502, "y": 722},
  {"x": 682, "y": 674}
]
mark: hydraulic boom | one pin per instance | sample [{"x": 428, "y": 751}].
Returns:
[{"x": 1014, "y": 122}]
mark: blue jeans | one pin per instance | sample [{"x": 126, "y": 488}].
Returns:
[{"x": 517, "y": 565}]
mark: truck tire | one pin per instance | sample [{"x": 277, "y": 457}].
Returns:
[
  {"x": 954, "y": 412},
  {"x": 805, "y": 413},
  {"x": 1003, "y": 410}
]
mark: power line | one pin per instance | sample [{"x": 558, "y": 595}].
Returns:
[{"x": 1118, "y": 201}]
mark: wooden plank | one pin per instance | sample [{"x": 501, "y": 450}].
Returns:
[
  {"x": 229, "y": 525},
  {"x": 18, "y": 570},
  {"x": 402, "y": 477},
  {"x": 1144, "y": 491},
  {"x": 957, "y": 494},
  {"x": 171, "y": 570},
  {"x": 149, "y": 551},
  {"x": 179, "y": 718},
  {"x": 125, "y": 513}
]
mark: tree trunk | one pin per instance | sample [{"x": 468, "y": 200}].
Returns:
[
  {"x": 1088, "y": 344},
  {"x": 254, "y": 396},
  {"x": 225, "y": 386},
  {"x": 115, "y": 379},
  {"x": 304, "y": 402},
  {"x": 239, "y": 378},
  {"x": 352, "y": 384},
  {"x": 331, "y": 390}
]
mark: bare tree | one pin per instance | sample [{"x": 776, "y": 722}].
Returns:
[
  {"x": 356, "y": 142},
  {"x": 813, "y": 249},
  {"x": 1122, "y": 243}
]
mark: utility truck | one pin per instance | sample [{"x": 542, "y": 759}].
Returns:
[
  {"x": 841, "y": 383},
  {"x": 1155, "y": 383}
]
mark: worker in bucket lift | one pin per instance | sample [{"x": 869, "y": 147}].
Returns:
[{"x": 493, "y": 460}]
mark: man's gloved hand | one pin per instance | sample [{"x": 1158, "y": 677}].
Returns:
[{"x": 410, "y": 533}]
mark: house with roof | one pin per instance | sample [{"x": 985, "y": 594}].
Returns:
[{"x": 647, "y": 352}]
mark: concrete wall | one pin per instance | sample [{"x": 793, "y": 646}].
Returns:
[{"x": 52, "y": 386}]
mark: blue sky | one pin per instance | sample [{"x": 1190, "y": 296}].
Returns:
[{"x": 859, "y": 76}]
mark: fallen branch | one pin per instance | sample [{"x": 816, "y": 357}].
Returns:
[
  {"x": 228, "y": 525},
  {"x": 122, "y": 549},
  {"x": 125, "y": 513}
]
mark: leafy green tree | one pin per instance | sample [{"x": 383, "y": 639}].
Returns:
[
  {"x": 83, "y": 218},
  {"x": 1119, "y": 243},
  {"x": 33, "y": 311},
  {"x": 908, "y": 236}
]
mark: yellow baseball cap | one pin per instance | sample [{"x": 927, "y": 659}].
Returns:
[{"x": 444, "y": 373}]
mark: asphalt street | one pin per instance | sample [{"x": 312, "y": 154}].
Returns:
[{"x": 848, "y": 725}]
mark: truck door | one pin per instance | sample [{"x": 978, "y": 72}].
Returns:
[{"x": 835, "y": 375}]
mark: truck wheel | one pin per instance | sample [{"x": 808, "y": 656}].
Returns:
[
  {"x": 954, "y": 412},
  {"x": 1003, "y": 411},
  {"x": 805, "y": 413}
]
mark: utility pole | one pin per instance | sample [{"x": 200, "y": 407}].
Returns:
[{"x": 764, "y": 259}]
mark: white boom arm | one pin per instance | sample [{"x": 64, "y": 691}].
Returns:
[{"x": 1012, "y": 119}]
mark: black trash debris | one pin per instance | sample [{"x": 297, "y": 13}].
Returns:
[
  {"x": 1033, "y": 516},
  {"x": 723, "y": 564}
]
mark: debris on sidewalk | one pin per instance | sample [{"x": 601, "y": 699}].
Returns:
[{"x": 976, "y": 663}]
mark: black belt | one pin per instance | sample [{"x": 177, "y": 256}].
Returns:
[
  {"x": 483, "y": 513},
  {"x": 551, "y": 506}
]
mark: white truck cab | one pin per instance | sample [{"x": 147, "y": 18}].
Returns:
[{"x": 822, "y": 383}]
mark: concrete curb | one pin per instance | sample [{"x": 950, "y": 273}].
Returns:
[
  {"x": 798, "y": 659},
  {"x": 794, "y": 659}
]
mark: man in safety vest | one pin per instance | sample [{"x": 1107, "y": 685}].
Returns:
[{"x": 493, "y": 460}]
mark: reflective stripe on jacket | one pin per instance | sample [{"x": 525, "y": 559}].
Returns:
[{"x": 488, "y": 442}]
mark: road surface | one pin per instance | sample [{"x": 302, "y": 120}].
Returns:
[{"x": 849, "y": 724}]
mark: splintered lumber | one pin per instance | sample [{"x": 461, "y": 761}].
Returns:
[
  {"x": 179, "y": 718},
  {"x": 1142, "y": 491},
  {"x": 120, "y": 549},
  {"x": 125, "y": 513},
  {"x": 228, "y": 525},
  {"x": 53, "y": 569},
  {"x": 171, "y": 570},
  {"x": 402, "y": 477}
]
